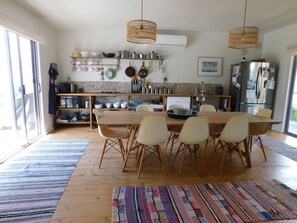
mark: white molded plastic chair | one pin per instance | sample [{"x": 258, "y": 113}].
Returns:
[
  {"x": 257, "y": 129},
  {"x": 207, "y": 108},
  {"x": 151, "y": 133},
  {"x": 113, "y": 137},
  {"x": 235, "y": 131},
  {"x": 174, "y": 130},
  {"x": 144, "y": 108},
  {"x": 214, "y": 129},
  {"x": 134, "y": 129},
  {"x": 194, "y": 131}
]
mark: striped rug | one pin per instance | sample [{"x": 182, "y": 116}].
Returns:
[
  {"x": 32, "y": 184},
  {"x": 244, "y": 201}
]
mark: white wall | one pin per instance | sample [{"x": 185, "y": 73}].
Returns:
[
  {"x": 180, "y": 63},
  {"x": 275, "y": 49},
  {"x": 47, "y": 52}
]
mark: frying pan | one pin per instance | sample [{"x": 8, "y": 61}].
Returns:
[
  {"x": 142, "y": 72},
  {"x": 130, "y": 71}
]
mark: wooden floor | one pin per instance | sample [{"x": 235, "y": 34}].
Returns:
[{"x": 87, "y": 197}]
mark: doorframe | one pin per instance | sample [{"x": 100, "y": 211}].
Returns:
[{"x": 292, "y": 79}]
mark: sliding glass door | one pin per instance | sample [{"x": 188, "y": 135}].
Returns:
[
  {"x": 291, "y": 118},
  {"x": 19, "y": 112}
]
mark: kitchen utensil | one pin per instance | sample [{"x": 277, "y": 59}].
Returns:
[
  {"x": 142, "y": 72},
  {"x": 110, "y": 73},
  {"x": 84, "y": 54},
  {"x": 125, "y": 54},
  {"x": 108, "y": 104},
  {"x": 130, "y": 71},
  {"x": 116, "y": 104},
  {"x": 75, "y": 53},
  {"x": 150, "y": 67},
  {"x": 98, "y": 105},
  {"x": 108, "y": 54},
  {"x": 94, "y": 54},
  {"x": 124, "y": 104}
]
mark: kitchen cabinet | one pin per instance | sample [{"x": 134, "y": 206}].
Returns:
[{"x": 78, "y": 104}]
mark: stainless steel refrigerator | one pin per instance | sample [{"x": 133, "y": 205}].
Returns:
[{"x": 252, "y": 86}]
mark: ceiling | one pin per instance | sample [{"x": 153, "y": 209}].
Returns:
[{"x": 177, "y": 15}]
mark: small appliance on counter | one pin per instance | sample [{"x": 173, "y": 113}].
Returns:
[{"x": 67, "y": 88}]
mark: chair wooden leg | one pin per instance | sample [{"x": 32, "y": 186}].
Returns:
[
  {"x": 206, "y": 144},
  {"x": 122, "y": 148},
  {"x": 182, "y": 161},
  {"x": 262, "y": 147},
  {"x": 103, "y": 151},
  {"x": 141, "y": 160},
  {"x": 177, "y": 152},
  {"x": 241, "y": 157},
  {"x": 250, "y": 143},
  {"x": 162, "y": 160},
  {"x": 172, "y": 144},
  {"x": 223, "y": 158}
]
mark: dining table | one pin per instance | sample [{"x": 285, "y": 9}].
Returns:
[{"x": 132, "y": 118}]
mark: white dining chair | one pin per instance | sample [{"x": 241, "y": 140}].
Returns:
[
  {"x": 151, "y": 133},
  {"x": 195, "y": 131},
  {"x": 113, "y": 137},
  {"x": 134, "y": 129},
  {"x": 173, "y": 131},
  {"x": 214, "y": 129},
  {"x": 235, "y": 132},
  {"x": 144, "y": 108},
  {"x": 257, "y": 129}
]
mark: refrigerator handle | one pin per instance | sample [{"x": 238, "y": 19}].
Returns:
[{"x": 258, "y": 83}]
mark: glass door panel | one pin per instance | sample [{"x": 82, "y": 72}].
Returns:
[
  {"x": 18, "y": 95},
  {"x": 291, "y": 119},
  {"x": 28, "y": 88}
]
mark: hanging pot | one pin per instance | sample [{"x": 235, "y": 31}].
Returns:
[
  {"x": 142, "y": 72},
  {"x": 130, "y": 71}
]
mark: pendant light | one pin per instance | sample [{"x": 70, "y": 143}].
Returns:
[
  {"x": 243, "y": 37},
  {"x": 141, "y": 31}
]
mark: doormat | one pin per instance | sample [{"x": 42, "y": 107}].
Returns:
[
  {"x": 280, "y": 147},
  {"x": 32, "y": 184},
  {"x": 243, "y": 201}
]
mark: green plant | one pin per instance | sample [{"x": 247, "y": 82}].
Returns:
[{"x": 293, "y": 115}]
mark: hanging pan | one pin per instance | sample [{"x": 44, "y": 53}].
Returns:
[
  {"x": 130, "y": 71},
  {"x": 142, "y": 72}
]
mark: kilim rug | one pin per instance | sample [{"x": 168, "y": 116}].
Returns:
[
  {"x": 31, "y": 185},
  {"x": 244, "y": 201}
]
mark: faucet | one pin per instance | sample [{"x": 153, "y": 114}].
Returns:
[{"x": 202, "y": 87}]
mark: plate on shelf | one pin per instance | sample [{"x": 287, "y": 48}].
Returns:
[
  {"x": 181, "y": 113},
  {"x": 110, "y": 73}
]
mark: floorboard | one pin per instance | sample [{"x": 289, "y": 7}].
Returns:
[{"x": 87, "y": 197}]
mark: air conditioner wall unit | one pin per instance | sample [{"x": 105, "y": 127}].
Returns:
[{"x": 169, "y": 41}]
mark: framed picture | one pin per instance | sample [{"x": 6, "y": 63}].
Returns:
[{"x": 209, "y": 66}]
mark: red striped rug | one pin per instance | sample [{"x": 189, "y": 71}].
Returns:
[{"x": 244, "y": 201}]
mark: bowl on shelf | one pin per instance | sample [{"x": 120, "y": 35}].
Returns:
[
  {"x": 116, "y": 104},
  {"x": 108, "y": 104},
  {"x": 98, "y": 105},
  {"x": 84, "y": 53},
  {"x": 123, "y": 104},
  {"x": 94, "y": 54},
  {"x": 108, "y": 54}
]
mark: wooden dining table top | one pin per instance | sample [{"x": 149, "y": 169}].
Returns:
[{"x": 134, "y": 118}]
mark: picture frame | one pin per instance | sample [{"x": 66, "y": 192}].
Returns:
[{"x": 209, "y": 66}]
